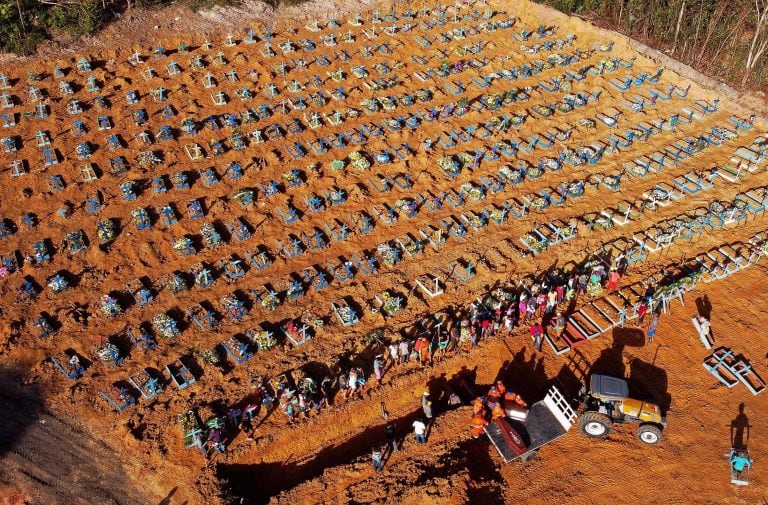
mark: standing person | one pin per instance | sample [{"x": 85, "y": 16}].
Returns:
[
  {"x": 537, "y": 332},
  {"x": 522, "y": 307},
  {"x": 404, "y": 351},
  {"x": 216, "y": 439},
  {"x": 352, "y": 383},
  {"x": 378, "y": 464},
  {"x": 476, "y": 425},
  {"x": 613, "y": 280},
  {"x": 246, "y": 426},
  {"x": 389, "y": 433},
  {"x": 654, "y": 321},
  {"x": 426, "y": 406},
  {"x": 420, "y": 431},
  {"x": 326, "y": 387},
  {"x": 642, "y": 310},
  {"x": 393, "y": 352},
  {"x": 378, "y": 367}
]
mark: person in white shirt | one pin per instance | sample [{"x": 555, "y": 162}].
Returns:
[{"x": 420, "y": 430}]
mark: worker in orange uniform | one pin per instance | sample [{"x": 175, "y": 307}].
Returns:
[
  {"x": 477, "y": 407},
  {"x": 497, "y": 412},
  {"x": 501, "y": 388},
  {"x": 511, "y": 398},
  {"x": 476, "y": 425}
]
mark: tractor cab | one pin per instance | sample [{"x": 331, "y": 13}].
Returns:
[{"x": 606, "y": 402}]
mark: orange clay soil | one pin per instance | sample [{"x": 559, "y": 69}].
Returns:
[{"x": 140, "y": 452}]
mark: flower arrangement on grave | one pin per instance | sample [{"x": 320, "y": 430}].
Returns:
[
  {"x": 313, "y": 320},
  {"x": 394, "y": 124},
  {"x": 165, "y": 326},
  {"x": 270, "y": 301},
  {"x": 180, "y": 244},
  {"x": 337, "y": 165},
  {"x": 176, "y": 283},
  {"x": 465, "y": 159},
  {"x": 106, "y": 230},
  {"x": 575, "y": 188},
  {"x": 698, "y": 145},
  {"x": 476, "y": 221},
  {"x": 423, "y": 95},
  {"x": 405, "y": 205},
  {"x": 563, "y": 106},
  {"x": 594, "y": 289},
  {"x": 588, "y": 123},
  {"x": 294, "y": 330},
  {"x": 543, "y": 111},
  {"x": 414, "y": 248},
  {"x": 556, "y": 59},
  {"x": 538, "y": 203},
  {"x": 724, "y": 134},
  {"x": 210, "y": 356},
  {"x": 359, "y": 161},
  {"x": 518, "y": 119},
  {"x": 611, "y": 180},
  {"x": 462, "y": 105},
  {"x": 716, "y": 208},
  {"x": 390, "y": 304},
  {"x": 370, "y": 105},
  {"x": 602, "y": 222},
  {"x": 147, "y": 159},
  {"x": 495, "y": 100},
  {"x": 739, "y": 204},
  {"x": 346, "y": 314},
  {"x": 498, "y": 216},
  {"x": 231, "y": 303},
  {"x": 109, "y": 306},
  {"x": 578, "y": 100},
  {"x": 189, "y": 424},
  {"x": 449, "y": 166},
  {"x": 514, "y": 176},
  {"x": 535, "y": 243},
  {"x": 475, "y": 192},
  {"x": 386, "y": 254},
  {"x": 244, "y": 197},
  {"x": 264, "y": 340},
  {"x": 107, "y": 351},
  {"x": 211, "y": 237}
]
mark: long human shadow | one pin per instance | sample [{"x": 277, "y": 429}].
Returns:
[{"x": 740, "y": 429}]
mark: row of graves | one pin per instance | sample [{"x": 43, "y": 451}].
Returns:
[{"x": 317, "y": 136}]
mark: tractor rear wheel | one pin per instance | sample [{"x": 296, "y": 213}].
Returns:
[
  {"x": 649, "y": 434},
  {"x": 595, "y": 424}
]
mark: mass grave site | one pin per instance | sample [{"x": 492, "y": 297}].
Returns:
[{"x": 205, "y": 230}]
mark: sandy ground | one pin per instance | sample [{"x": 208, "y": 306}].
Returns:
[{"x": 325, "y": 457}]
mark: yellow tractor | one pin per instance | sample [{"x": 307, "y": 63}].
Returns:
[{"x": 605, "y": 403}]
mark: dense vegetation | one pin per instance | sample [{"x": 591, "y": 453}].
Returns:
[{"x": 722, "y": 38}]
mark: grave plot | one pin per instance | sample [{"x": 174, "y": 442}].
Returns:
[{"x": 228, "y": 206}]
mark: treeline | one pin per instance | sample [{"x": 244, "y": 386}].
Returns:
[
  {"x": 725, "y": 39},
  {"x": 25, "y": 23}
]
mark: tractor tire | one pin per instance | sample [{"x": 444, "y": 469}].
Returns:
[
  {"x": 529, "y": 456},
  {"x": 649, "y": 434},
  {"x": 595, "y": 424}
]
